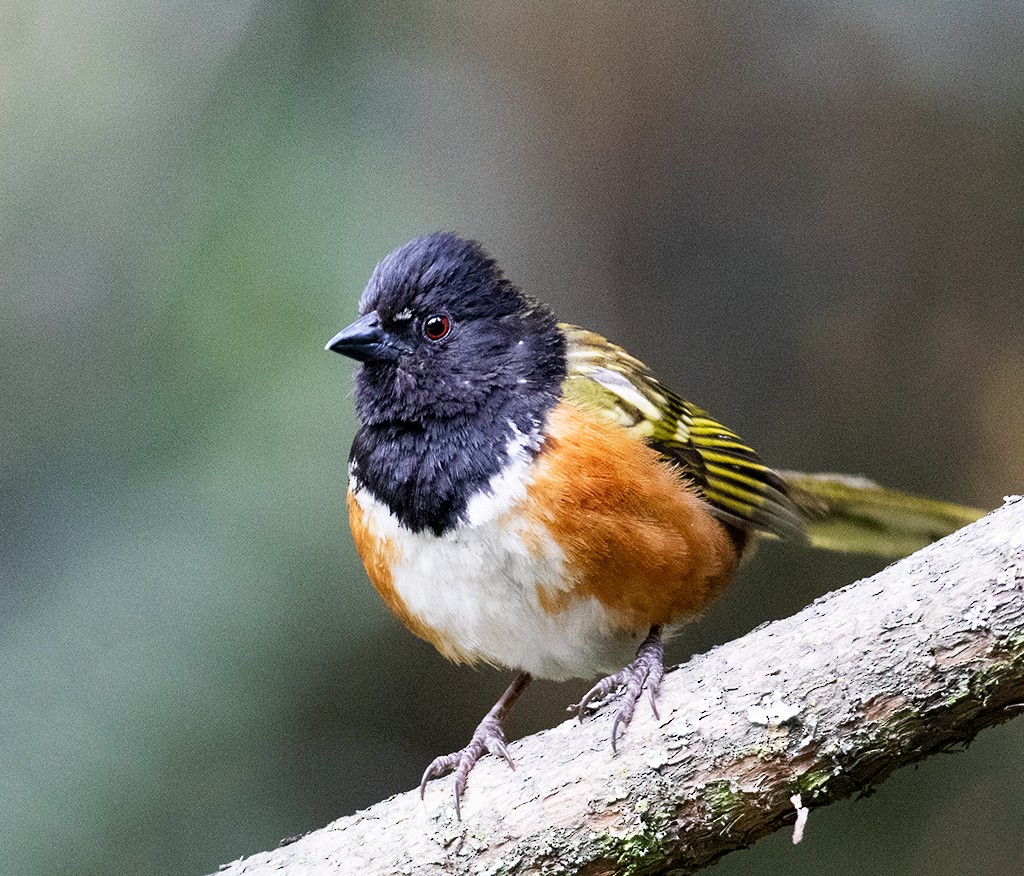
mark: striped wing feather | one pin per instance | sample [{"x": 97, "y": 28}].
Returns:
[{"x": 734, "y": 481}]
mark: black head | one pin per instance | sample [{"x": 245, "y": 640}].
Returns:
[
  {"x": 442, "y": 332},
  {"x": 457, "y": 363}
]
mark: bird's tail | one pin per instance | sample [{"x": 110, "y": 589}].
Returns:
[{"x": 854, "y": 514}]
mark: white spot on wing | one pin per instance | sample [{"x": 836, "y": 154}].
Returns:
[{"x": 624, "y": 389}]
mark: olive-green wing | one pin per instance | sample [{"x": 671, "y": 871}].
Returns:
[
  {"x": 846, "y": 513},
  {"x": 740, "y": 488}
]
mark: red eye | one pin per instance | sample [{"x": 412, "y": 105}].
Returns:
[{"x": 436, "y": 327}]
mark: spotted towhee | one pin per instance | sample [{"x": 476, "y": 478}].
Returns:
[{"x": 526, "y": 494}]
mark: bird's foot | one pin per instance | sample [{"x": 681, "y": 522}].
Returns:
[
  {"x": 646, "y": 671},
  {"x": 488, "y": 736}
]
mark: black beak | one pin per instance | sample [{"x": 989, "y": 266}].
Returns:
[{"x": 365, "y": 341}]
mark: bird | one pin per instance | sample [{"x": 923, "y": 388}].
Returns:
[{"x": 526, "y": 494}]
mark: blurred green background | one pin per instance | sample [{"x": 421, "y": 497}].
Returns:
[{"x": 807, "y": 219}]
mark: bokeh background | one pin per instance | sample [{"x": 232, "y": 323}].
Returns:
[{"x": 805, "y": 217}]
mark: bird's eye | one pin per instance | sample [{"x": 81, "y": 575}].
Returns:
[{"x": 436, "y": 327}]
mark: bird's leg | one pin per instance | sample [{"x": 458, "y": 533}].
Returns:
[
  {"x": 646, "y": 670},
  {"x": 488, "y": 736}
]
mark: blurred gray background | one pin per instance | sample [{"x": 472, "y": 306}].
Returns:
[{"x": 806, "y": 219}]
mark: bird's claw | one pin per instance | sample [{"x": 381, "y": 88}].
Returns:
[
  {"x": 489, "y": 737},
  {"x": 646, "y": 671}
]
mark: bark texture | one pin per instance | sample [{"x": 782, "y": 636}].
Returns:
[{"x": 826, "y": 703}]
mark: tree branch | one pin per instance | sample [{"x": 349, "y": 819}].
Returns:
[{"x": 824, "y": 704}]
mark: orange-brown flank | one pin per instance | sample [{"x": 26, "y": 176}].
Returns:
[
  {"x": 635, "y": 536},
  {"x": 378, "y": 555}
]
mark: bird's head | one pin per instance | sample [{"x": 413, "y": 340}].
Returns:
[{"x": 444, "y": 335}]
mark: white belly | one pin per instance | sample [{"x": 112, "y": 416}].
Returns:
[{"x": 480, "y": 587}]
